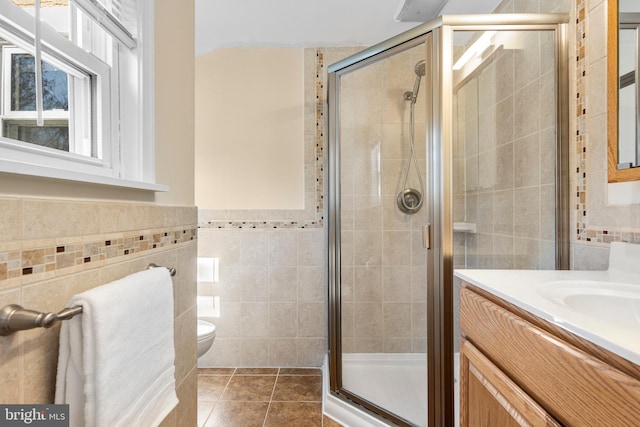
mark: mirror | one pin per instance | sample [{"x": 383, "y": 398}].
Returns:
[{"x": 623, "y": 90}]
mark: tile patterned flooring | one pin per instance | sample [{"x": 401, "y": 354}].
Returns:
[{"x": 261, "y": 397}]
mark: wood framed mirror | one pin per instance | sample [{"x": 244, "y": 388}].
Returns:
[{"x": 623, "y": 96}]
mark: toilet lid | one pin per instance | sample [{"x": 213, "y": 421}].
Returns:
[{"x": 205, "y": 328}]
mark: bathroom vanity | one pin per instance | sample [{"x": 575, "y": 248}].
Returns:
[{"x": 549, "y": 348}]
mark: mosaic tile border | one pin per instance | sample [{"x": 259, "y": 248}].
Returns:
[
  {"x": 583, "y": 232},
  {"x": 318, "y": 221},
  {"x": 36, "y": 258}
]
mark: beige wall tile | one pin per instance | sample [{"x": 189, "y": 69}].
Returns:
[
  {"x": 311, "y": 248},
  {"x": 252, "y": 284},
  {"x": 597, "y": 29},
  {"x": 347, "y": 319},
  {"x": 283, "y": 320},
  {"x": 396, "y": 248},
  {"x": 254, "y": 317},
  {"x": 283, "y": 250},
  {"x": 283, "y": 352},
  {"x": 347, "y": 283},
  {"x": 254, "y": 352},
  {"x": 397, "y": 345},
  {"x": 368, "y": 284},
  {"x": 547, "y": 109},
  {"x": 187, "y": 391},
  {"x": 312, "y": 319},
  {"x": 526, "y": 120},
  {"x": 526, "y": 59},
  {"x": 312, "y": 284},
  {"x": 185, "y": 279},
  {"x": 11, "y": 372},
  {"x": 418, "y": 283},
  {"x": 254, "y": 247},
  {"x": 505, "y": 114},
  {"x": 368, "y": 345},
  {"x": 526, "y": 161},
  {"x": 597, "y": 98},
  {"x": 397, "y": 319},
  {"x": 185, "y": 343},
  {"x": 347, "y": 248},
  {"x": 397, "y": 283},
  {"x": 311, "y": 351},
  {"x": 589, "y": 256},
  {"x": 40, "y": 346},
  {"x": 223, "y": 244},
  {"x": 45, "y": 219},
  {"x": 367, "y": 248},
  {"x": 504, "y": 212},
  {"x": 555, "y": 6},
  {"x": 10, "y": 226},
  {"x": 527, "y": 212},
  {"x": 368, "y": 319},
  {"x": 526, "y": 6},
  {"x": 503, "y": 248},
  {"x": 224, "y": 353},
  {"x": 283, "y": 283}
]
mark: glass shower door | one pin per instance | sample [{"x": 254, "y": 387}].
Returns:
[
  {"x": 381, "y": 213},
  {"x": 506, "y": 161}
]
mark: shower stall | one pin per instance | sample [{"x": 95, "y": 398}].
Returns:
[{"x": 448, "y": 148}]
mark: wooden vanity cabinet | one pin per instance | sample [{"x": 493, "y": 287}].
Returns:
[{"x": 517, "y": 369}]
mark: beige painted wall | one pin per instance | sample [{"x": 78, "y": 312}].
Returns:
[
  {"x": 174, "y": 80},
  {"x": 250, "y": 129}
]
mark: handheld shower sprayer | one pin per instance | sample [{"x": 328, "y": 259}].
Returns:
[
  {"x": 410, "y": 200},
  {"x": 420, "y": 72}
]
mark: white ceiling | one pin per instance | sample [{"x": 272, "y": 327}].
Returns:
[{"x": 308, "y": 23}]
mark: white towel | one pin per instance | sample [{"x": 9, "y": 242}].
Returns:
[{"x": 116, "y": 361}]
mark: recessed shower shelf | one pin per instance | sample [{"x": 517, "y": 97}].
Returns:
[{"x": 464, "y": 227}]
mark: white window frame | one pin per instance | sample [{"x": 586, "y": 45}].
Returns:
[{"x": 123, "y": 114}]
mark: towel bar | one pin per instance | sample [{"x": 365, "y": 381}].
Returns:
[{"x": 14, "y": 317}]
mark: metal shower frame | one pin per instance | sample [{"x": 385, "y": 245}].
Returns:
[{"x": 437, "y": 35}]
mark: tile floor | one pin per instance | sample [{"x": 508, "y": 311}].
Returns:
[{"x": 261, "y": 397}]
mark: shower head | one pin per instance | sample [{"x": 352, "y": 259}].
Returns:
[{"x": 420, "y": 68}]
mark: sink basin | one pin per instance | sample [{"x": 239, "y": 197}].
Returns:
[{"x": 617, "y": 303}]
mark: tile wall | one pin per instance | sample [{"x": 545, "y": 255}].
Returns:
[
  {"x": 504, "y": 151},
  {"x": 383, "y": 263},
  {"x": 273, "y": 297},
  {"x": 53, "y": 249},
  {"x": 596, "y": 222}
]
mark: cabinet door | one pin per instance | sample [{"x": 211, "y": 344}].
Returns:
[{"x": 488, "y": 398}]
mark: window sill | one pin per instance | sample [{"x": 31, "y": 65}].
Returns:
[{"x": 68, "y": 175}]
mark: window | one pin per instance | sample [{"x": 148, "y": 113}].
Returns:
[{"x": 96, "y": 91}]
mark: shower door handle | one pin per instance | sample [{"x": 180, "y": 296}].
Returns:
[{"x": 426, "y": 236}]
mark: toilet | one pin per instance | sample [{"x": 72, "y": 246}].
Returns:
[{"x": 206, "y": 335}]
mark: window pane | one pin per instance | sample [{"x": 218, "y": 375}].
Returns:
[
  {"x": 52, "y": 134},
  {"x": 55, "y": 85},
  {"x": 66, "y": 100}
]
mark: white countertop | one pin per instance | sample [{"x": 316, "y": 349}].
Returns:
[{"x": 526, "y": 288}]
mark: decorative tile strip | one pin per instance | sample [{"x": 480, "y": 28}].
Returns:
[
  {"x": 581, "y": 148},
  {"x": 319, "y": 163},
  {"x": 260, "y": 224},
  {"x": 38, "y": 260}
]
